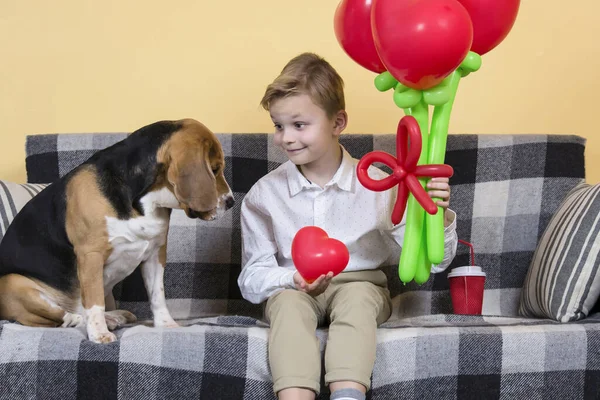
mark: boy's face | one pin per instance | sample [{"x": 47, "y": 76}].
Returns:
[{"x": 303, "y": 129}]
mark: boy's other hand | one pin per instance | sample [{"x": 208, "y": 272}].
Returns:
[
  {"x": 440, "y": 188},
  {"x": 315, "y": 288}
]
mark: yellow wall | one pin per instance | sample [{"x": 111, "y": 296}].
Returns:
[{"x": 111, "y": 65}]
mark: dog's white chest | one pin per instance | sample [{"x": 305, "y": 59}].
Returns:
[{"x": 133, "y": 241}]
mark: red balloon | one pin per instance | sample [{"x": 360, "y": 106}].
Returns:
[
  {"x": 352, "y": 23},
  {"x": 492, "y": 21},
  {"x": 315, "y": 254},
  {"x": 421, "y": 42}
]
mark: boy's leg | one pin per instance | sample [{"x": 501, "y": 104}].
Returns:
[
  {"x": 294, "y": 355},
  {"x": 356, "y": 309}
]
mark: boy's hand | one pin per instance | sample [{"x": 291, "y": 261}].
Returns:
[
  {"x": 314, "y": 289},
  {"x": 439, "y": 187}
]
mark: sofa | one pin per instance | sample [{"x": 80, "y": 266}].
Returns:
[{"x": 505, "y": 190}]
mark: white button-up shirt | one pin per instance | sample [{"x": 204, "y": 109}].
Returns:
[{"x": 284, "y": 201}]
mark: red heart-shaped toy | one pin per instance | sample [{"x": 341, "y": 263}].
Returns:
[{"x": 314, "y": 253}]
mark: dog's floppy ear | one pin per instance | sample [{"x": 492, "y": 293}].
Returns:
[{"x": 191, "y": 175}]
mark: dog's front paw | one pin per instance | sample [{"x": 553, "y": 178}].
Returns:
[
  {"x": 166, "y": 324},
  {"x": 71, "y": 320},
  {"x": 102, "y": 337},
  {"x": 118, "y": 318}
]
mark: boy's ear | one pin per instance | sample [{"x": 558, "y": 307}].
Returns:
[{"x": 340, "y": 122}]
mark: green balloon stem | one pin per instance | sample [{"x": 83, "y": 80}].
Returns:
[
  {"x": 423, "y": 263},
  {"x": 415, "y": 221},
  {"x": 440, "y": 123}
]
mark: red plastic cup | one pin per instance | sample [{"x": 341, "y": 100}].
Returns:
[{"x": 466, "y": 289}]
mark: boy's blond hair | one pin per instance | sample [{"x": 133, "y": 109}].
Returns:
[{"x": 308, "y": 74}]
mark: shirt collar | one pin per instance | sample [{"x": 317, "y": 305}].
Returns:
[{"x": 343, "y": 178}]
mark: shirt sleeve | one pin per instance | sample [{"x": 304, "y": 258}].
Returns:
[
  {"x": 450, "y": 243},
  {"x": 261, "y": 276},
  {"x": 450, "y": 237}
]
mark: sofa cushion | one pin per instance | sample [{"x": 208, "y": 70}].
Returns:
[
  {"x": 563, "y": 282},
  {"x": 429, "y": 357},
  {"x": 13, "y": 196}
]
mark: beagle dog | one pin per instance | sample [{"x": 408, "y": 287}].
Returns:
[{"x": 73, "y": 242}]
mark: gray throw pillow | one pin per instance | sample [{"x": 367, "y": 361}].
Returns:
[
  {"x": 563, "y": 281},
  {"x": 13, "y": 196}
]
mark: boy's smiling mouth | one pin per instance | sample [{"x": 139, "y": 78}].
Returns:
[{"x": 294, "y": 151}]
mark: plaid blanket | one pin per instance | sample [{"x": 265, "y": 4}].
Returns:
[
  {"x": 504, "y": 191},
  {"x": 428, "y": 357}
]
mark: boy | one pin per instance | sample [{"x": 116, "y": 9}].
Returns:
[{"x": 318, "y": 186}]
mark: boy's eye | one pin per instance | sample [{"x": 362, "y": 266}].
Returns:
[
  {"x": 299, "y": 125},
  {"x": 278, "y": 127}
]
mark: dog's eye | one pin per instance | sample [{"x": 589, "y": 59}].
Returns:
[{"x": 215, "y": 170}]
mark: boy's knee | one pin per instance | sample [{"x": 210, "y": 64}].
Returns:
[
  {"x": 362, "y": 298},
  {"x": 362, "y": 293},
  {"x": 289, "y": 303},
  {"x": 287, "y": 297}
]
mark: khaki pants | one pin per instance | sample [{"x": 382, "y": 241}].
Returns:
[{"x": 354, "y": 304}]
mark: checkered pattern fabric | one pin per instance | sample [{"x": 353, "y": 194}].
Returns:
[
  {"x": 505, "y": 189},
  {"x": 429, "y": 357}
]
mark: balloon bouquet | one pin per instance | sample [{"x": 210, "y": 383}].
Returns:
[{"x": 421, "y": 49}]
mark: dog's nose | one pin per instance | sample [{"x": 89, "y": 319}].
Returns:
[
  {"x": 193, "y": 214},
  {"x": 229, "y": 202}
]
